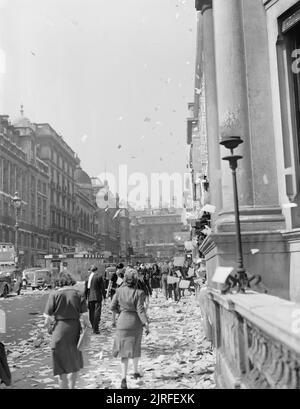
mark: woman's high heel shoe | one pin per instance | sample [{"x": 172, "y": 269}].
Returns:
[{"x": 124, "y": 384}]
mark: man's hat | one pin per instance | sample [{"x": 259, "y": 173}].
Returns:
[{"x": 93, "y": 268}]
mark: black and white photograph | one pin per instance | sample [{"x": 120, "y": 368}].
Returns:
[{"x": 149, "y": 197}]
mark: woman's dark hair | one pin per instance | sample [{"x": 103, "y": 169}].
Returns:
[
  {"x": 155, "y": 267},
  {"x": 120, "y": 266},
  {"x": 65, "y": 279}
]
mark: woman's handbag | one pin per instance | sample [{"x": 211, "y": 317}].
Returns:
[
  {"x": 82, "y": 339},
  {"x": 51, "y": 327}
]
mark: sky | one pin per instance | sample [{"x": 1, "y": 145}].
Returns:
[{"x": 113, "y": 77}]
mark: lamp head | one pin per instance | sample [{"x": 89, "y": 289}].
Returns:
[
  {"x": 17, "y": 200},
  {"x": 231, "y": 142}
]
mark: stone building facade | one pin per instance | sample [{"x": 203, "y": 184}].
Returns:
[
  {"x": 250, "y": 62},
  {"x": 22, "y": 171},
  {"x": 86, "y": 207},
  {"x": 62, "y": 163},
  {"x": 152, "y": 232}
]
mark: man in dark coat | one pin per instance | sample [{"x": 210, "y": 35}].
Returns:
[{"x": 95, "y": 293}]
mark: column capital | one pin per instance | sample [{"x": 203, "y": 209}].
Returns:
[{"x": 202, "y": 5}]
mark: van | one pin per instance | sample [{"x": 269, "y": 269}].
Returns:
[{"x": 37, "y": 278}]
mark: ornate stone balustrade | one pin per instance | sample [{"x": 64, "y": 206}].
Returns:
[{"x": 257, "y": 340}]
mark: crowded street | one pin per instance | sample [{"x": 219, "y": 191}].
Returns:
[
  {"x": 149, "y": 197},
  {"x": 175, "y": 354}
]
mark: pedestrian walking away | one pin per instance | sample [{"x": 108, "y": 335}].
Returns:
[
  {"x": 155, "y": 279},
  {"x": 95, "y": 294},
  {"x": 129, "y": 303},
  {"x": 68, "y": 308},
  {"x": 164, "y": 279}
]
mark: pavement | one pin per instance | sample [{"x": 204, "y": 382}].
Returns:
[{"x": 175, "y": 355}]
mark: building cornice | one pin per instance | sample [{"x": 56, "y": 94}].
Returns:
[{"x": 202, "y": 5}]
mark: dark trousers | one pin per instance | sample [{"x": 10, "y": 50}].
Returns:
[
  {"x": 164, "y": 285},
  {"x": 172, "y": 292},
  {"x": 95, "y": 314}
]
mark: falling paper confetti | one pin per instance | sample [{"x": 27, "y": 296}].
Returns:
[
  {"x": 119, "y": 146},
  {"x": 84, "y": 138},
  {"x": 198, "y": 91},
  {"x": 120, "y": 118},
  {"x": 147, "y": 119},
  {"x": 254, "y": 251}
]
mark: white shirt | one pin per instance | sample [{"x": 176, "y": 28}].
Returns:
[{"x": 90, "y": 280}]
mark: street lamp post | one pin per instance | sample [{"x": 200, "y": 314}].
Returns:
[
  {"x": 231, "y": 143},
  {"x": 17, "y": 204}
]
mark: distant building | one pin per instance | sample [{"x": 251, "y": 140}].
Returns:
[
  {"x": 111, "y": 222},
  {"x": 85, "y": 211},
  {"x": 22, "y": 171},
  {"x": 152, "y": 232},
  {"x": 62, "y": 164}
]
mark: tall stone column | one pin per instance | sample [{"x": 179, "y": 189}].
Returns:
[
  {"x": 211, "y": 103},
  {"x": 243, "y": 90},
  {"x": 244, "y": 109},
  {"x": 232, "y": 96}
]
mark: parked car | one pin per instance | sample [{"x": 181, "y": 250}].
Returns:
[{"x": 38, "y": 278}]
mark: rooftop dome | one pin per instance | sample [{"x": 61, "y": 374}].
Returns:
[
  {"x": 22, "y": 121},
  {"x": 82, "y": 177}
]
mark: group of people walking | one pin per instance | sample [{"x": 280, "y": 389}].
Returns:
[{"x": 69, "y": 311}]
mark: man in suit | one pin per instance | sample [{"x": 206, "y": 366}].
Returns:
[{"x": 95, "y": 293}]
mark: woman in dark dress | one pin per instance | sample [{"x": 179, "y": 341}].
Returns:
[
  {"x": 68, "y": 307},
  {"x": 155, "y": 279},
  {"x": 144, "y": 284},
  {"x": 112, "y": 287},
  {"x": 129, "y": 303}
]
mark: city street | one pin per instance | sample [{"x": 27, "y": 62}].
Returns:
[{"x": 175, "y": 354}]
